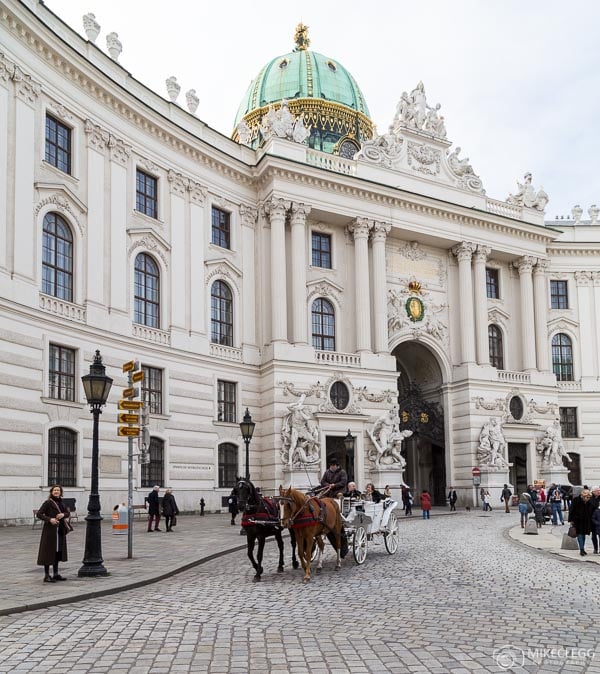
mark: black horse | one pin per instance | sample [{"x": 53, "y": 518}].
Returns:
[{"x": 260, "y": 519}]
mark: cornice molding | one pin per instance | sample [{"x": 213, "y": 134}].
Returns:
[
  {"x": 366, "y": 194},
  {"x": 68, "y": 68}
]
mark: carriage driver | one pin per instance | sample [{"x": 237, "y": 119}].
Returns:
[
  {"x": 334, "y": 479},
  {"x": 334, "y": 482}
]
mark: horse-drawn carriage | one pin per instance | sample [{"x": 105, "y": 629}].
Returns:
[
  {"x": 367, "y": 522},
  {"x": 310, "y": 519}
]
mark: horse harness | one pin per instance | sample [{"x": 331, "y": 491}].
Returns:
[{"x": 315, "y": 514}]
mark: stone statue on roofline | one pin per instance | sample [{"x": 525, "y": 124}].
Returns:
[
  {"x": 527, "y": 196},
  {"x": 413, "y": 112}
]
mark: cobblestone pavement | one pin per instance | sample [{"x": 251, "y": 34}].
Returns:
[{"x": 459, "y": 596}]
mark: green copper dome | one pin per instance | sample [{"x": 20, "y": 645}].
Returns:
[{"x": 317, "y": 87}]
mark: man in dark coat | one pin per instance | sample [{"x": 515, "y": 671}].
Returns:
[
  {"x": 580, "y": 516},
  {"x": 153, "y": 509},
  {"x": 334, "y": 478},
  {"x": 452, "y": 498},
  {"x": 233, "y": 507},
  {"x": 505, "y": 496}
]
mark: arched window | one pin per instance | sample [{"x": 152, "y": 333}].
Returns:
[
  {"x": 154, "y": 472},
  {"x": 562, "y": 357},
  {"x": 496, "y": 347},
  {"x": 146, "y": 291},
  {"x": 228, "y": 464},
  {"x": 57, "y": 258},
  {"x": 62, "y": 457},
  {"x": 221, "y": 314},
  {"x": 323, "y": 325}
]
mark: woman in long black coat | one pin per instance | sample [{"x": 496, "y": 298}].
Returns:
[
  {"x": 580, "y": 516},
  {"x": 170, "y": 509},
  {"x": 53, "y": 542}
]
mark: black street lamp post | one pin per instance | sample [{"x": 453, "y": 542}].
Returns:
[
  {"x": 349, "y": 442},
  {"x": 247, "y": 429},
  {"x": 97, "y": 387}
]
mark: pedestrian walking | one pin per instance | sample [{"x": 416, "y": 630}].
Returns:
[
  {"x": 425, "y": 500},
  {"x": 53, "y": 540},
  {"x": 555, "y": 498},
  {"x": 452, "y": 498},
  {"x": 482, "y": 497},
  {"x": 580, "y": 516},
  {"x": 525, "y": 507},
  {"x": 233, "y": 506},
  {"x": 202, "y": 506},
  {"x": 596, "y": 529},
  {"x": 407, "y": 501},
  {"x": 170, "y": 509},
  {"x": 506, "y": 496},
  {"x": 487, "y": 501},
  {"x": 153, "y": 509}
]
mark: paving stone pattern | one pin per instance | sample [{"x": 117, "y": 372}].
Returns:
[{"x": 458, "y": 591}]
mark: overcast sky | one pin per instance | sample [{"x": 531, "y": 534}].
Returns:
[{"x": 518, "y": 81}]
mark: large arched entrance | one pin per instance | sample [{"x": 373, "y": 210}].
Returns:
[{"x": 421, "y": 411}]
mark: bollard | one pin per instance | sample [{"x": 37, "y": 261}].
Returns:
[{"x": 120, "y": 519}]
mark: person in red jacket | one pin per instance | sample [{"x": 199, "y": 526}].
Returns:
[{"x": 425, "y": 500}]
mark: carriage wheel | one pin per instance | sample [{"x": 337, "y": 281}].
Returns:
[
  {"x": 390, "y": 538},
  {"x": 359, "y": 546},
  {"x": 314, "y": 551}
]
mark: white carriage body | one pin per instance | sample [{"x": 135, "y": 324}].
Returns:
[{"x": 363, "y": 520}]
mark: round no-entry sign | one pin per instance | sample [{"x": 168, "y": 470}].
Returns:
[{"x": 476, "y": 471}]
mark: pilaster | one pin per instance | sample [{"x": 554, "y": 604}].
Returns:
[
  {"x": 360, "y": 229},
  {"x": 481, "y": 315},
  {"x": 525, "y": 267},
  {"x": 299, "y": 319},
  {"x": 277, "y": 209},
  {"x": 540, "y": 299},
  {"x": 464, "y": 252},
  {"x": 379, "y": 233}
]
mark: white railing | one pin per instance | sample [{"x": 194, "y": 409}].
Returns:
[
  {"x": 502, "y": 208},
  {"x": 514, "y": 377},
  {"x": 226, "y": 352},
  {"x": 569, "y": 385},
  {"x": 61, "y": 308},
  {"x": 151, "y": 334},
  {"x": 330, "y": 162},
  {"x": 337, "y": 358}
]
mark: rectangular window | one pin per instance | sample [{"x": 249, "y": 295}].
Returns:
[
  {"x": 152, "y": 389},
  {"x": 321, "y": 250},
  {"x": 492, "y": 283},
  {"x": 58, "y": 144},
  {"x": 146, "y": 194},
  {"x": 559, "y": 296},
  {"x": 568, "y": 422},
  {"x": 228, "y": 464},
  {"x": 221, "y": 228},
  {"x": 61, "y": 373},
  {"x": 226, "y": 401}
]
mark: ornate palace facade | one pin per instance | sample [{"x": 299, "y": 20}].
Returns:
[{"x": 327, "y": 279}]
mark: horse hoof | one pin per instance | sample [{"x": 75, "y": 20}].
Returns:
[
  {"x": 307, "y": 580},
  {"x": 338, "y": 568},
  {"x": 280, "y": 569},
  {"x": 256, "y": 579},
  {"x": 319, "y": 570},
  {"x": 296, "y": 565}
]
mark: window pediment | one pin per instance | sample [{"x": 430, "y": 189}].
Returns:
[
  {"x": 150, "y": 241},
  {"x": 63, "y": 200},
  {"x": 562, "y": 323},
  {"x": 222, "y": 268}
]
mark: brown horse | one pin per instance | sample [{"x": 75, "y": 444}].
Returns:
[{"x": 311, "y": 517}]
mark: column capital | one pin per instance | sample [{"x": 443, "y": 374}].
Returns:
[
  {"x": 248, "y": 215},
  {"x": 178, "y": 183},
  {"x": 276, "y": 207},
  {"x": 299, "y": 213},
  {"x": 464, "y": 251},
  {"x": 482, "y": 253},
  {"x": 583, "y": 278},
  {"x": 525, "y": 264},
  {"x": 360, "y": 228},
  {"x": 380, "y": 230},
  {"x": 97, "y": 136},
  {"x": 541, "y": 266}
]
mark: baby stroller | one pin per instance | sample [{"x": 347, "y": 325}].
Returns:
[{"x": 539, "y": 513}]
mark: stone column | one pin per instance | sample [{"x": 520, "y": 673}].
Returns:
[
  {"x": 586, "y": 309},
  {"x": 248, "y": 217},
  {"x": 540, "y": 306},
  {"x": 481, "y": 314},
  {"x": 180, "y": 281},
  {"x": 299, "y": 319},
  {"x": 525, "y": 266},
  {"x": 360, "y": 230},
  {"x": 277, "y": 210},
  {"x": 464, "y": 252},
  {"x": 379, "y": 233},
  {"x": 197, "y": 254}
]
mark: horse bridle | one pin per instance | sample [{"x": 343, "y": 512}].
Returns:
[{"x": 287, "y": 499}]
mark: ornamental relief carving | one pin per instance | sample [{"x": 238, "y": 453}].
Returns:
[
  {"x": 97, "y": 137},
  {"x": 224, "y": 270},
  {"x": 430, "y": 320},
  {"x": 198, "y": 193},
  {"x": 177, "y": 182},
  {"x": 411, "y": 250},
  {"x": 328, "y": 407},
  {"x": 60, "y": 111},
  {"x": 27, "y": 88},
  {"x": 583, "y": 278},
  {"x": 424, "y": 158},
  {"x": 62, "y": 204},
  {"x": 150, "y": 243},
  {"x": 119, "y": 150},
  {"x": 7, "y": 68},
  {"x": 324, "y": 289},
  {"x": 248, "y": 215},
  {"x": 148, "y": 165},
  {"x": 489, "y": 405}
]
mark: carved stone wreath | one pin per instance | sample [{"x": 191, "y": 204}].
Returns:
[{"x": 424, "y": 158}]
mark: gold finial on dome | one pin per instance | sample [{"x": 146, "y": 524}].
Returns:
[{"x": 301, "y": 37}]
